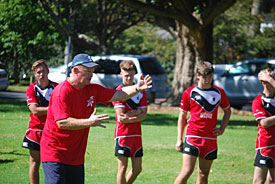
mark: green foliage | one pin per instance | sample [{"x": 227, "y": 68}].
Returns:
[
  {"x": 25, "y": 35},
  {"x": 161, "y": 162},
  {"x": 147, "y": 39},
  {"x": 231, "y": 35}
]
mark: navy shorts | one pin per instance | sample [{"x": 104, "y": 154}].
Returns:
[{"x": 59, "y": 173}]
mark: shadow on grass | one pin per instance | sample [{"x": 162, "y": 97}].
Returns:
[
  {"x": 4, "y": 161},
  {"x": 14, "y": 152},
  {"x": 170, "y": 120},
  {"x": 242, "y": 123},
  {"x": 7, "y": 105}
]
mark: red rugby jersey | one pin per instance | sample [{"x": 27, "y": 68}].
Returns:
[
  {"x": 130, "y": 129},
  {"x": 40, "y": 97},
  {"x": 203, "y": 107},
  {"x": 264, "y": 107}
]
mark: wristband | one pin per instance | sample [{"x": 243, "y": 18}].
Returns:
[{"x": 137, "y": 90}]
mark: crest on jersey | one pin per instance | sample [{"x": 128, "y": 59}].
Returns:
[{"x": 90, "y": 101}]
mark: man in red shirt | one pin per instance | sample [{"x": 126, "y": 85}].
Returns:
[
  {"x": 38, "y": 95},
  {"x": 71, "y": 114},
  {"x": 202, "y": 101},
  {"x": 129, "y": 115},
  {"x": 263, "y": 107}
]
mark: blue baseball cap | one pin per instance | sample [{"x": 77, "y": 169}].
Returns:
[{"x": 83, "y": 59}]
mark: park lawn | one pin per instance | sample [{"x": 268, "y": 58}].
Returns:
[{"x": 161, "y": 162}]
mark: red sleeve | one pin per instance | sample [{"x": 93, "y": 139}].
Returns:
[
  {"x": 104, "y": 94},
  {"x": 31, "y": 96},
  {"x": 185, "y": 101},
  {"x": 224, "y": 100},
  {"x": 143, "y": 102},
  {"x": 258, "y": 109}
]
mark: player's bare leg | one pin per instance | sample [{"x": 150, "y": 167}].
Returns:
[
  {"x": 260, "y": 175},
  {"x": 188, "y": 164},
  {"x": 34, "y": 166},
  {"x": 136, "y": 169},
  {"x": 271, "y": 176},
  {"x": 122, "y": 167},
  {"x": 203, "y": 170}
]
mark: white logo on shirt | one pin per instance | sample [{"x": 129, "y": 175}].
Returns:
[
  {"x": 90, "y": 101},
  {"x": 198, "y": 97},
  {"x": 206, "y": 115}
]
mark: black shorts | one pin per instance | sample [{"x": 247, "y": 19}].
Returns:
[
  {"x": 204, "y": 148},
  {"x": 264, "y": 158},
  {"x": 129, "y": 147},
  {"x": 29, "y": 144}
]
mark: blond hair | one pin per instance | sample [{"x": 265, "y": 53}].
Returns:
[
  {"x": 127, "y": 65},
  {"x": 40, "y": 62}
]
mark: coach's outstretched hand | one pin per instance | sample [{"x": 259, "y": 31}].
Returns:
[
  {"x": 145, "y": 83},
  {"x": 98, "y": 120}
]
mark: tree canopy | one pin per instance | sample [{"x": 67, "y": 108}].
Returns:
[{"x": 25, "y": 36}]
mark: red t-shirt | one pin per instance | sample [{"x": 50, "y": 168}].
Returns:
[
  {"x": 130, "y": 129},
  {"x": 203, "y": 106},
  {"x": 40, "y": 97},
  {"x": 264, "y": 107},
  {"x": 69, "y": 146}
]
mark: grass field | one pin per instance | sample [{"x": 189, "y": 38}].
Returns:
[{"x": 161, "y": 162}]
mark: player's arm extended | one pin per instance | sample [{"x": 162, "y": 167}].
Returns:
[
  {"x": 38, "y": 111},
  {"x": 268, "y": 122},
  {"x": 131, "y": 117},
  {"x": 129, "y": 91},
  {"x": 180, "y": 129}
]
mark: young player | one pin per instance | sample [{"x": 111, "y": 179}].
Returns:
[
  {"x": 202, "y": 101},
  {"x": 263, "y": 108},
  {"x": 128, "y": 141},
  {"x": 38, "y": 95}
]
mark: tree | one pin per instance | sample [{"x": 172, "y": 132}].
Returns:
[
  {"x": 192, "y": 23},
  {"x": 24, "y": 36},
  {"x": 249, "y": 40},
  {"x": 93, "y": 25}
]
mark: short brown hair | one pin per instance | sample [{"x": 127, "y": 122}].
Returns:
[
  {"x": 204, "y": 68},
  {"x": 38, "y": 63},
  {"x": 127, "y": 65}
]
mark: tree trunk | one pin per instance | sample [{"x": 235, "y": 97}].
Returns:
[
  {"x": 255, "y": 12},
  {"x": 190, "y": 50},
  {"x": 16, "y": 68}
]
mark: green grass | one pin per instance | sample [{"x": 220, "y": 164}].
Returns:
[
  {"x": 161, "y": 162},
  {"x": 17, "y": 87}
]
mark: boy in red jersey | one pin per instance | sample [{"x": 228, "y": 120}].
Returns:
[
  {"x": 263, "y": 107},
  {"x": 202, "y": 101},
  {"x": 128, "y": 127},
  {"x": 71, "y": 114},
  {"x": 38, "y": 95}
]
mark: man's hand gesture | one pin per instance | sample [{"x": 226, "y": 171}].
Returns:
[
  {"x": 98, "y": 120},
  {"x": 145, "y": 83}
]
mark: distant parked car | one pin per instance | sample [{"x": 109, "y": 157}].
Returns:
[
  {"x": 107, "y": 73},
  {"x": 4, "y": 81},
  {"x": 240, "y": 81}
]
